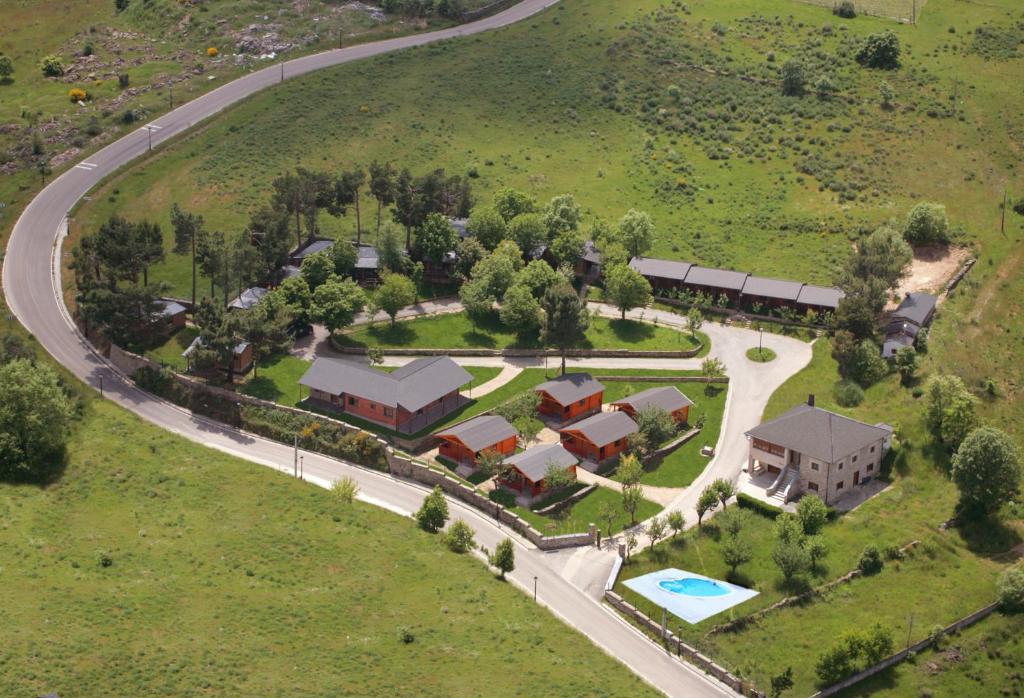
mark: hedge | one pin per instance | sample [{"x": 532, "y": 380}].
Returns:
[{"x": 756, "y": 505}]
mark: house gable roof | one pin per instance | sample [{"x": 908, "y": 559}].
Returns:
[
  {"x": 916, "y": 308},
  {"x": 367, "y": 257},
  {"x": 772, "y": 288},
  {"x": 591, "y": 253},
  {"x": 313, "y": 248},
  {"x": 716, "y": 278},
  {"x": 668, "y": 398},
  {"x": 569, "y": 388},
  {"x": 605, "y": 427},
  {"x": 248, "y": 298},
  {"x": 660, "y": 268},
  {"x": 480, "y": 432},
  {"x": 535, "y": 462},
  {"x": 818, "y": 433},
  {"x": 412, "y": 387},
  {"x": 169, "y": 308},
  {"x": 821, "y": 296}
]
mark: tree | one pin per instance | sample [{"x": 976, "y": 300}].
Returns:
[
  {"x": 6, "y": 68},
  {"x": 393, "y": 256},
  {"x": 1010, "y": 590},
  {"x": 504, "y": 557},
  {"x": 317, "y": 268},
  {"x": 520, "y": 311},
  {"x": 382, "y": 186},
  {"x": 345, "y": 257},
  {"x": 608, "y": 513},
  {"x": 824, "y": 87},
  {"x": 436, "y": 238},
  {"x": 712, "y": 368},
  {"x": 856, "y": 313},
  {"x": 791, "y": 559},
  {"x": 632, "y": 496},
  {"x": 295, "y": 293},
  {"x": 149, "y": 246},
  {"x": 568, "y": 247},
  {"x": 656, "y": 424},
  {"x": 724, "y": 490},
  {"x": 986, "y": 471},
  {"x": 336, "y": 302},
  {"x": 265, "y": 327},
  {"x": 707, "y": 501},
  {"x": 35, "y": 414},
  {"x": 460, "y": 537},
  {"x": 736, "y": 551},
  {"x": 477, "y": 301},
  {"x": 408, "y": 204},
  {"x": 927, "y": 224},
  {"x": 794, "y": 77},
  {"x": 870, "y": 561},
  {"x": 52, "y": 66},
  {"x": 816, "y": 547},
  {"x": 565, "y": 319},
  {"x": 487, "y": 226},
  {"x": 347, "y": 192},
  {"x": 880, "y": 50},
  {"x": 489, "y": 462},
  {"x": 883, "y": 255},
  {"x": 269, "y": 236},
  {"x": 511, "y": 203},
  {"x": 528, "y": 232},
  {"x": 694, "y": 321},
  {"x": 562, "y": 214},
  {"x": 950, "y": 411},
  {"x": 416, "y": 272},
  {"x": 905, "y": 362},
  {"x": 627, "y": 288},
  {"x": 302, "y": 194},
  {"x": 469, "y": 251},
  {"x": 636, "y": 232},
  {"x": 556, "y": 477},
  {"x": 212, "y": 252},
  {"x": 394, "y": 293},
  {"x": 676, "y": 521},
  {"x": 812, "y": 514},
  {"x": 244, "y": 263},
  {"x": 861, "y": 362},
  {"x": 538, "y": 277},
  {"x": 188, "y": 228},
  {"x": 630, "y": 470},
  {"x": 433, "y": 513},
  {"x": 788, "y": 529},
  {"x": 528, "y": 428},
  {"x": 656, "y": 529}
]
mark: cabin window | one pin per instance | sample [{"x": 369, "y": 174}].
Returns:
[
  {"x": 353, "y": 401},
  {"x": 839, "y": 485},
  {"x": 388, "y": 412},
  {"x": 871, "y": 466},
  {"x": 855, "y": 459},
  {"x": 872, "y": 449},
  {"x": 840, "y": 466},
  {"x": 815, "y": 466},
  {"x": 769, "y": 447},
  {"x": 812, "y": 486}
]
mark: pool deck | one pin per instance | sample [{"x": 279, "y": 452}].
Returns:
[{"x": 692, "y": 609}]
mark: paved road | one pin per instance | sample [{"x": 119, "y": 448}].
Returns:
[{"x": 31, "y": 284}]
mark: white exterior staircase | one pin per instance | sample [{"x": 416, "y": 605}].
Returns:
[{"x": 784, "y": 484}]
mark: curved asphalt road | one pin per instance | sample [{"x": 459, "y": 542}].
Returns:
[{"x": 31, "y": 283}]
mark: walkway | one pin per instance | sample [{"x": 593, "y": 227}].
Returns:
[{"x": 661, "y": 495}]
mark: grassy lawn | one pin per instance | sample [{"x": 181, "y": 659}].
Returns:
[
  {"x": 682, "y": 466},
  {"x": 215, "y": 560},
  {"x": 169, "y": 353},
  {"x": 455, "y": 331},
  {"x": 578, "y": 517},
  {"x": 760, "y": 355}
]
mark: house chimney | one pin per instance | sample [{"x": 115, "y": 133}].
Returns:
[{"x": 810, "y": 400}]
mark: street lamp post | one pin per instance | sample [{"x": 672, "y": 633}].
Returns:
[
  {"x": 302, "y": 467},
  {"x": 535, "y": 588}
]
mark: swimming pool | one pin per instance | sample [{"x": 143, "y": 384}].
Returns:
[
  {"x": 691, "y": 596},
  {"x": 693, "y": 586}
]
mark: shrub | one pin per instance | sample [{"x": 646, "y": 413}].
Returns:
[
  {"x": 52, "y": 66},
  {"x": 756, "y": 505},
  {"x": 870, "y": 561},
  {"x": 6, "y": 67},
  {"x": 35, "y": 415},
  {"x": 927, "y": 224},
  {"x": 345, "y": 490},
  {"x": 794, "y": 77},
  {"x": 212, "y": 52},
  {"x": 847, "y": 393},
  {"x": 845, "y": 9},
  {"x": 880, "y": 51},
  {"x": 120, "y": 5},
  {"x": 123, "y": 80},
  {"x": 503, "y": 497},
  {"x": 893, "y": 552},
  {"x": 460, "y": 537},
  {"x": 77, "y": 94},
  {"x": 812, "y": 513},
  {"x": 433, "y": 514},
  {"x": 1011, "y": 590}
]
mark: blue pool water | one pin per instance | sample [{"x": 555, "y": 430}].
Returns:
[{"x": 693, "y": 586}]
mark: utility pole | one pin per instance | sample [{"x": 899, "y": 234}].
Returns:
[
  {"x": 1002, "y": 220},
  {"x": 910, "y": 629},
  {"x": 149, "y": 133},
  {"x": 282, "y": 71},
  {"x": 295, "y": 463}
]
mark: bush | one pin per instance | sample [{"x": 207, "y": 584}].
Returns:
[
  {"x": 1011, "y": 590},
  {"x": 123, "y": 80},
  {"x": 927, "y": 224},
  {"x": 460, "y": 537},
  {"x": 503, "y": 497},
  {"x": 845, "y": 9},
  {"x": 893, "y": 552},
  {"x": 812, "y": 513},
  {"x": 345, "y": 490},
  {"x": 120, "y": 5},
  {"x": 35, "y": 415},
  {"x": 847, "y": 393},
  {"x": 880, "y": 51},
  {"x": 756, "y": 505},
  {"x": 52, "y": 66},
  {"x": 77, "y": 94},
  {"x": 433, "y": 514},
  {"x": 870, "y": 561}
]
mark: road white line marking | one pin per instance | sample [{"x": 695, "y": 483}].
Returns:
[{"x": 87, "y": 166}]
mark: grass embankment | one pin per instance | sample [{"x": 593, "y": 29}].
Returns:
[
  {"x": 213, "y": 560},
  {"x": 455, "y": 331}
]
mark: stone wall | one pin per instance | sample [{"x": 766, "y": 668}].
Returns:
[
  {"x": 514, "y": 353},
  {"x": 684, "y": 651},
  {"x": 664, "y": 379},
  {"x": 562, "y": 504},
  {"x": 493, "y": 7}
]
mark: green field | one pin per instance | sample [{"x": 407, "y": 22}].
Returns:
[
  {"x": 456, "y": 331},
  {"x": 577, "y": 517},
  {"x": 227, "y": 577}
]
